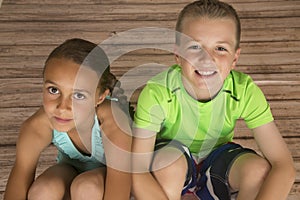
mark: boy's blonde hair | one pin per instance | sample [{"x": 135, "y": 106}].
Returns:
[{"x": 211, "y": 9}]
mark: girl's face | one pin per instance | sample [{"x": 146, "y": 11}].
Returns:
[
  {"x": 206, "y": 55},
  {"x": 69, "y": 97}
]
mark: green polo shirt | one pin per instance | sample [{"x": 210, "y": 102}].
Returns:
[{"x": 165, "y": 107}]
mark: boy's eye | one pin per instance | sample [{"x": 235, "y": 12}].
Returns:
[
  {"x": 78, "y": 96},
  {"x": 53, "y": 90},
  {"x": 221, "y": 49},
  {"x": 195, "y": 47}
]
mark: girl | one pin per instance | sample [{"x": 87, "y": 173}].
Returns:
[{"x": 92, "y": 134}]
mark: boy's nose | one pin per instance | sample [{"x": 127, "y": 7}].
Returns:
[{"x": 205, "y": 56}]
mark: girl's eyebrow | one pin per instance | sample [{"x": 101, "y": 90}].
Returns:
[
  {"x": 82, "y": 91},
  {"x": 50, "y": 82},
  {"x": 75, "y": 90}
]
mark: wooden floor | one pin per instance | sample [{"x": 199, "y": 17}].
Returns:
[{"x": 30, "y": 29}]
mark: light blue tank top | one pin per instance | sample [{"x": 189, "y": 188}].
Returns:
[{"x": 69, "y": 154}]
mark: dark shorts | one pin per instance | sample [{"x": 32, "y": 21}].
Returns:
[{"x": 209, "y": 179}]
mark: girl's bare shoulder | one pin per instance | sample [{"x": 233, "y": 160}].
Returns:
[
  {"x": 37, "y": 125},
  {"x": 112, "y": 117}
]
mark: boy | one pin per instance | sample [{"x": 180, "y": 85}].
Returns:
[{"x": 186, "y": 115}]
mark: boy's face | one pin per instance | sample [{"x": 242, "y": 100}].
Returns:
[{"x": 206, "y": 55}]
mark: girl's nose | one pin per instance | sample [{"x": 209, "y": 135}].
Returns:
[{"x": 64, "y": 104}]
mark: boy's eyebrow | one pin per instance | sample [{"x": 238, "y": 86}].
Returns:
[
  {"x": 218, "y": 42},
  {"x": 225, "y": 42}
]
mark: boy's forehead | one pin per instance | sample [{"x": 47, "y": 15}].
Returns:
[{"x": 203, "y": 29}]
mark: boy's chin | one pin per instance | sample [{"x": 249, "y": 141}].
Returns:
[{"x": 205, "y": 93}]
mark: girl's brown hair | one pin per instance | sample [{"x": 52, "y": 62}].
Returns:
[{"x": 90, "y": 55}]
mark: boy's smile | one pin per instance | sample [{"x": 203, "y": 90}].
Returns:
[{"x": 206, "y": 55}]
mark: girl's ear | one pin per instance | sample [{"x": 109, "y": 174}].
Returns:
[{"x": 102, "y": 97}]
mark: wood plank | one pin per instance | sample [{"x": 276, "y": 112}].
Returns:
[
  {"x": 39, "y": 38},
  {"x": 9, "y": 136},
  {"x": 7, "y": 156},
  {"x": 61, "y": 2},
  {"x": 280, "y": 109},
  {"x": 98, "y": 33},
  {"x": 289, "y": 128},
  {"x": 233, "y": 2},
  {"x": 47, "y": 159},
  {"x": 30, "y": 29},
  {"x": 22, "y": 92},
  {"x": 11, "y": 117},
  {"x": 19, "y": 68},
  {"x": 38, "y": 26},
  {"x": 116, "y": 11},
  {"x": 247, "y": 48},
  {"x": 263, "y": 59},
  {"x": 292, "y": 143},
  {"x": 31, "y": 66},
  {"x": 19, "y": 92},
  {"x": 112, "y": 2}
]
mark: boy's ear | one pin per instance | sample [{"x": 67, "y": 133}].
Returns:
[
  {"x": 102, "y": 97},
  {"x": 177, "y": 57},
  {"x": 236, "y": 57}
]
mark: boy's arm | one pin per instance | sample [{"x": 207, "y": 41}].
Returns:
[
  {"x": 281, "y": 177},
  {"x": 117, "y": 141},
  {"x": 144, "y": 184},
  {"x": 33, "y": 138}
]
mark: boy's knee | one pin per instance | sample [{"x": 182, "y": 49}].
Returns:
[
  {"x": 172, "y": 177},
  {"x": 260, "y": 170},
  {"x": 248, "y": 173},
  {"x": 171, "y": 158},
  {"x": 255, "y": 172}
]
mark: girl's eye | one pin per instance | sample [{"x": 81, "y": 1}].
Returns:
[
  {"x": 53, "y": 90},
  {"x": 78, "y": 96}
]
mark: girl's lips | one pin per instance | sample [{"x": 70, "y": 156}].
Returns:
[{"x": 61, "y": 120}]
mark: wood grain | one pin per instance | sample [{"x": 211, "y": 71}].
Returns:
[{"x": 30, "y": 29}]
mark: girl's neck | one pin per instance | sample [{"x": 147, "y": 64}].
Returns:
[{"x": 81, "y": 140}]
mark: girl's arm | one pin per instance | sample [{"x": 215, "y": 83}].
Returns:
[
  {"x": 282, "y": 175},
  {"x": 117, "y": 146},
  {"x": 35, "y": 135}
]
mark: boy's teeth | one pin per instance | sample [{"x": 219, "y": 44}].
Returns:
[{"x": 205, "y": 73}]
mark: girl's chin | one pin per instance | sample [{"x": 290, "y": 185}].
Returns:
[{"x": 61, "y": 129}]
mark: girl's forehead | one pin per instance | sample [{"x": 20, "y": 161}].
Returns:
[
  {"x": 68, "y": 73},
  {"x": 56, "y": 65}
]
